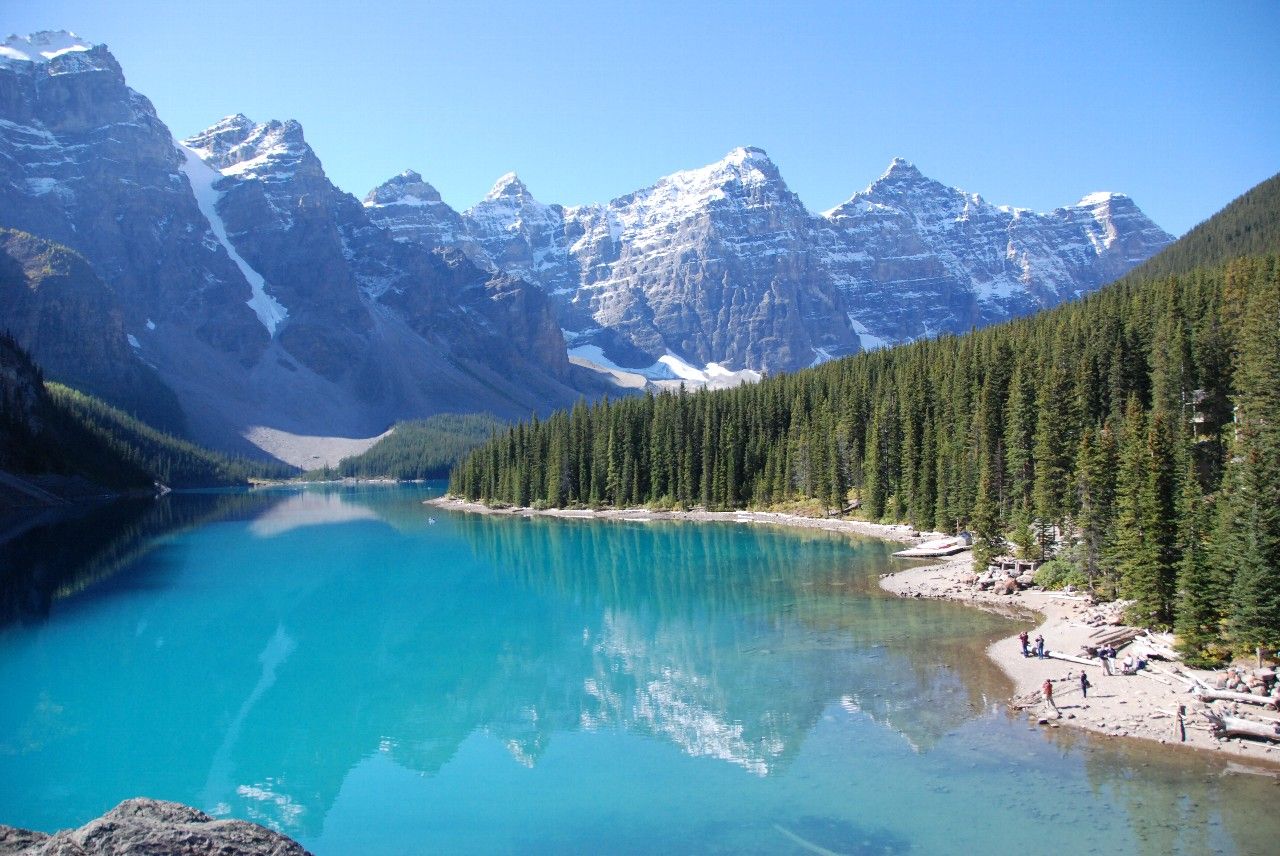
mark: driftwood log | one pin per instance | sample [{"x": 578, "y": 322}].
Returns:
[
  {"x": 1058, "y": 655},
  {"x": 1146, "y": 673},
  {"x": 1233, "y": 726},
  {"x": 1114, "y": 635},
  {"x": 1246, "y": 698}
]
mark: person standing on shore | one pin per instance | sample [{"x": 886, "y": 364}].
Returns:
[
  {"x": 1039, "y": 646},
  {"x": 1084, "y": 684},
  {"x": 1104, "y": 654},
  {"x": 1047, "y": 692},
  {"x": 1022, "y": 637}
]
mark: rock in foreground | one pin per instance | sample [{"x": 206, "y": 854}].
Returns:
[{"x": 146, "y": 827}]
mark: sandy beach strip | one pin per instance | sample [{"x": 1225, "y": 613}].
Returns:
[
  {"x": 904, "y": 534},
  {"x": 1136, "y": 706}
]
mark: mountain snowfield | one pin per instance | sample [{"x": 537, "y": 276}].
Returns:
[
  {"x": 724, "y": 264},
  {"x": 274, "y": 304}
]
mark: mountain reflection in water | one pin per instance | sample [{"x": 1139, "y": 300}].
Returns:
[{"x": 259, "y": 654}]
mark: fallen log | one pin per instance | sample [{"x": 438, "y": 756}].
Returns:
[
  {"x": 1115, "y": 635},
  {"x": 1058, "y": 655},
  {"x": 1154, "y": 649},
  {"x": 1193, "y": 683},
  {"x": 1228, "y": 695},
  {"x": 1233, "y": 726},
  {"x": 1146, "y": 674}
]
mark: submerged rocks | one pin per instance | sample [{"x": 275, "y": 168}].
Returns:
[{"x": 150, "y": 827}]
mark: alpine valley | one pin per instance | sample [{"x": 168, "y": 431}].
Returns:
[{"x": 223, "y": 288}]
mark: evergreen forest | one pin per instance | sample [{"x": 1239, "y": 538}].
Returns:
[
  {"x": 419, "y": 449},
  {"x": 170, "y": 460},
  {"x": 1131, "y": 438}
]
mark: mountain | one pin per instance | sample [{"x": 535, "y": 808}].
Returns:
[
  {"x": 74, "y": 326},
  {"x": 1139, "y": 422},
  {"x": 257, "y": 292},
  {"x": 725, "y": 265},
  {"x": 243, "y": 297},
  {"x": 914, "y": 258}
]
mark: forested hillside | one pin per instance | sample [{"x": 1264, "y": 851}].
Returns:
[
  {"x": 167, "y": 459},
  {"x": 1249, "y": 226},
  {"x": 65, "y": 444},
  {"x": 39, "y": 438},
  {"x": 422, "y": 449},
  {"x": 1101, "y": 432}
]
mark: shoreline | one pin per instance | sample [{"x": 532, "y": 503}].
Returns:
[
  {"x": 904, "y": 534},
  {"x": 1118, "y": 706}
]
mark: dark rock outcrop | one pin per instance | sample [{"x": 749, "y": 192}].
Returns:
[
  {"x": 147, "y": 827},
  {"x": 73, "y": 325}
]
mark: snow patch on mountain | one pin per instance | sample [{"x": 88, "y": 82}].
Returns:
[
  {"x": 202, "y": 178},
  {"x": 42, "y": 46},
  {"x": 669, "y": 368}
]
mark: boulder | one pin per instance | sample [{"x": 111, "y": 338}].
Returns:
[
  {"x": 148, "y": 827},
  {"x": 1007, "y": 586}
]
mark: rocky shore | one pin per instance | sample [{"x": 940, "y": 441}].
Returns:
[
  {"x": 904, "y": 534},
  {"x": 146, "y": 827},
  {"x": 1143, "y": 706}
]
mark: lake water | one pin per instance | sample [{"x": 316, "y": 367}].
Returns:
[{"x": 330, "y": 663}]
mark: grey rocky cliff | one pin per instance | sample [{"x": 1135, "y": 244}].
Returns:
[
  {"x": 724, "y": 264},
  {"x": 413, "y": 212},
  {"x": 147, "y": 827},
  {"x": 913, "y": 257},
  {"x": 85, "y": 162},
  {"x": 73, "y": 325},
  {"x": 260, "y": 293}
]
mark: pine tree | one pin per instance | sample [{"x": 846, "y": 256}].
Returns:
[
  {"x": 1134, "y": 554},
  {"x": 1254, "y": 501},
  {"x": 1200, "y": 596},
  {"x": 1095, "y": 497}
]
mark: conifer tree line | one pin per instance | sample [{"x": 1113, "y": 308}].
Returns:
[{"x": 1133, "y": 435}]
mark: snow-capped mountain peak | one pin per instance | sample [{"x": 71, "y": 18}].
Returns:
[
  {"x": 237, "y": 146},
  {"x": 901, "y": 169},
  {"x": 747, "y": 165},
  {"x": 508, "y": 186},
  {"x": 1102, "y": 197},
  {"x": 723, "y": 263},
  {"x": 42, "y": 46},
  {"x": 407, "y": 188}
]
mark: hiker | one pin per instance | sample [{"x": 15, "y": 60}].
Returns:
[
  {"x": 1022, "y": 637},
  {"x": 1180, "y": 725},
  {"x": 1084, "y": 684},
  {"x": 1039, "y": 646},
  {"x": 1047, "y": 692},
  {"x": 1106, "y": 654}
]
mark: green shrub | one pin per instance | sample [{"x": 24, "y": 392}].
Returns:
[{"x": 1054, "y": 573}]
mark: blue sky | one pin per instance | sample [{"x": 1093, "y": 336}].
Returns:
[{"x": 1029, "y": 104}]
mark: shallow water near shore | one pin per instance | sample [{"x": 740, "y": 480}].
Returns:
[{"x": 329, "y": 662}]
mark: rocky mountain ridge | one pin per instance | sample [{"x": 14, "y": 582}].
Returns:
[
  {"x": 258, "y": 292},
  {"x": 267, "y": 299},
  {"x": 724, "y": 263}
]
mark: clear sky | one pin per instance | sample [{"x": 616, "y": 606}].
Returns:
[{"x": 1030, "y": 103}]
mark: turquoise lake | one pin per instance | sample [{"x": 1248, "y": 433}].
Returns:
[{"x": 329, "y": 662}]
